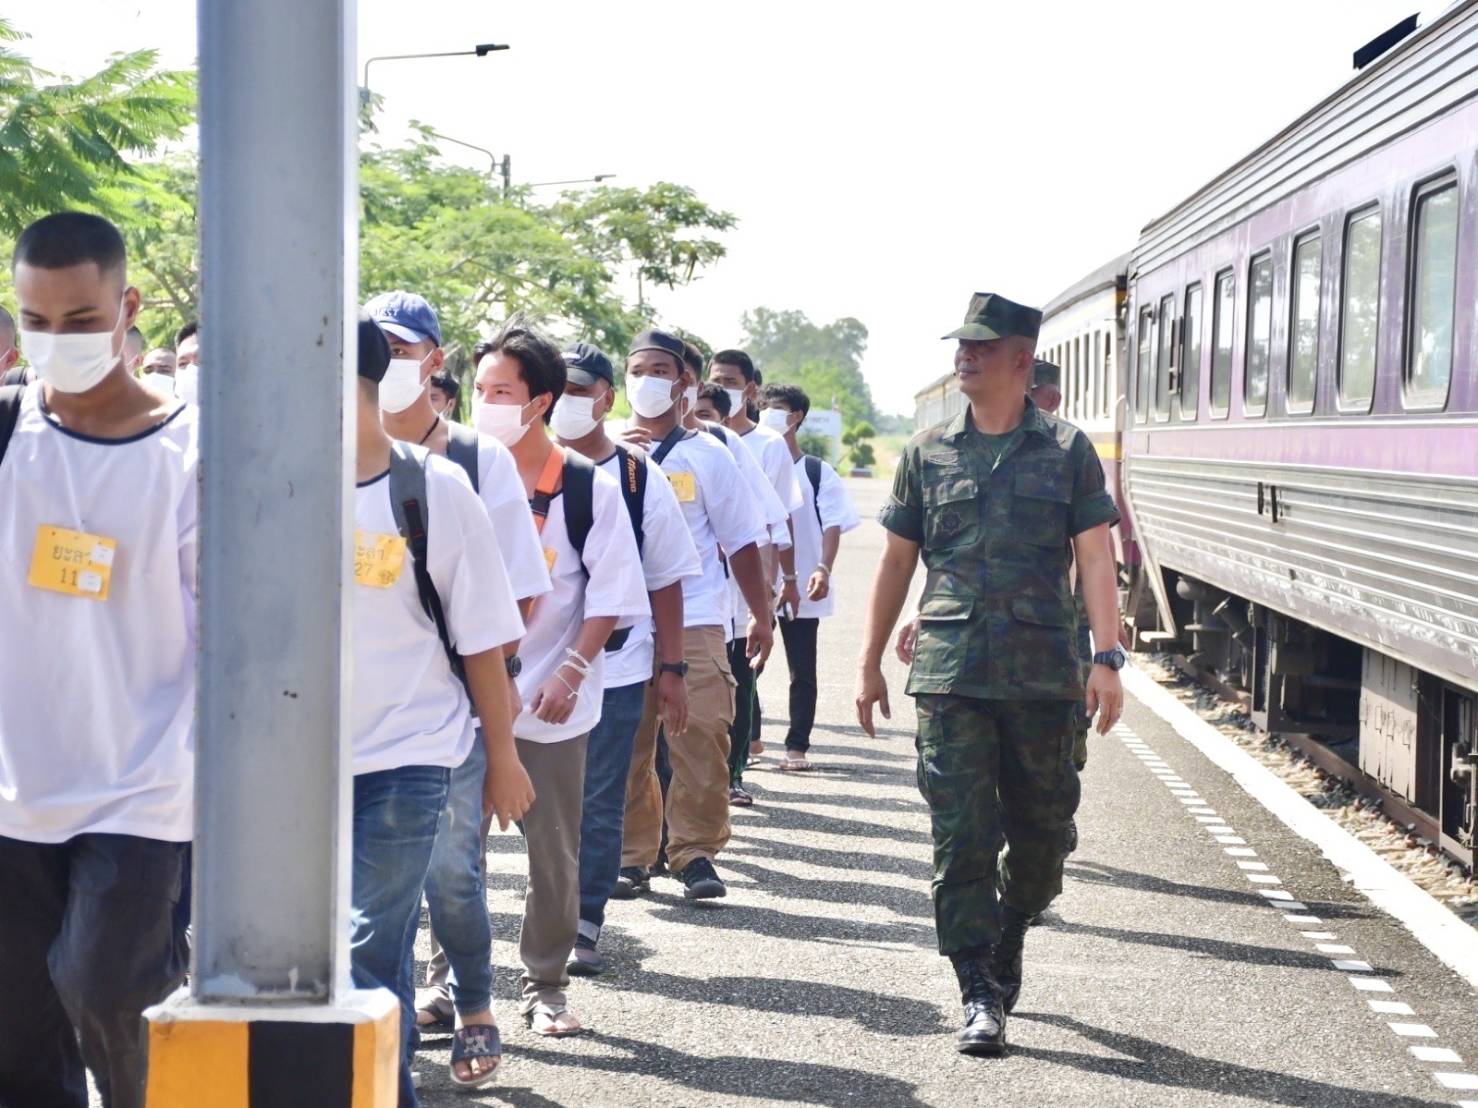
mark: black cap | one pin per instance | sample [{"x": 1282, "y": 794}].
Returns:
[
  {"x": 1045, "y": 373},
  {"x": 374, "y": 349},
  {"x": 585, "y": 365},
  {"x": 665, "y": 341}
]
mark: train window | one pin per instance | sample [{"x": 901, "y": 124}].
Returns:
[
  {"x": 1142, "y": 363},
  {"x": 1190, "y": 353},
  {"x": 1359, "y": 319},
  {"x": 1163, "y": 383},
  {"x": 1259, "y": 334},
  {"x": 1433, "y": 289},
  {"x": 1303, "y": 343},
  {"x": 1221, "y": 352}
]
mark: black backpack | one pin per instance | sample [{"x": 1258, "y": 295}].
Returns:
[
  {"x": 10, "y": 413},
  {"x": 812, "y": 466},
  {"x": 632, "y": 474}
]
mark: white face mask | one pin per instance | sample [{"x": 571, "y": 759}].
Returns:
[
  {"x": 776, "y": 419},
  {"x": 690, "y": 398},
  {"x": 160, "y": 381},
  {"x": 573, "y": 417},
  {"x": 503, "y": 422},
  {"x": 649, "y": 397},
  {"x": 736, "y": 402},
  {"x": 72, "y": 363},
  {"x": 401, "y": 386},
  {"x": 187, "y": 384}
]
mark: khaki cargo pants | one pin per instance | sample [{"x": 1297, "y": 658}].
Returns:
[{"x": 698, "y": 799}]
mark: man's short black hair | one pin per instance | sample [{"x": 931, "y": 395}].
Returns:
[
  {"x": 693, "y": 359},
  {"x": 717, "y": 396},
  {"x": 185, "y": 332},
  {"x": 736, "y": 358},
  {"x": 792, "y": 396},
  {"x": 447, "y": 384},
  {"x": 541, "y": 365},
  {"x": 65, "y": 239}
]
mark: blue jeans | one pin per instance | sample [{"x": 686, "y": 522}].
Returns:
[
  {"x": 456, "y": 888},
  {"x": 395, "y": 816},
  {"x": 607, "y": 764}
]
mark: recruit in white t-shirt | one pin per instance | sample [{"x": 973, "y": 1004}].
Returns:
[
  {"x": 773, "y": 497},
  {"x": 502, "y": 493},
  {"x": 720, "y": 511},
  {"x": 97, "y": 696},
  {"x": 667, "y": 555},
  {"x": 836, "y": 511},
  {"x": 409, "y": 708},
  {"x": 607, "y": 581}
]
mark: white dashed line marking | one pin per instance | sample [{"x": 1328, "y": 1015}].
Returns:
[
  {"x": 1333, "y": 948},
  {"x": 1317, "y": 934},
  {"x": 1203, "y": 811},
  {"x": 1371, "y": 985},
  {"x": 1408, "y": 1030},
  {"x": 1395, "y": 1008},
  {"x": 1457, "y": 1080},
  {"x": 1303, "y": 921},
  {"x": 1241, "y": 852},
  {"x": 1436, "y": 1054},
  {"x": 1266, "y": 879},
  {"x": 1231, "y": 840},
  {"x": 1252, "y": 865},
  {"x": 1353, "y": 965}
]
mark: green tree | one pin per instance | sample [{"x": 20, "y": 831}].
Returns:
[
  {"x": 64, "y": 144},
  {"x": 825, "y": 361},
  {"x": 859, "y": 450},
  {"x": 817, "y": 445}
]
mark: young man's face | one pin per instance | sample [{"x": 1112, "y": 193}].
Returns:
[
  {"x": 653, "y": 363},
  {"x": 792, "y": 419},
  {"x": 727, "y": 376},
  {"x": 188, "y": 352},
  {"x": 440, "y": 401},
  {"x": 426, "y": 352},
  {"x": 706, "y": 411},
  {"x": 600, "y": 392},
  {"x": 74, "y": 300},
  {"x": 159, "y": 360}
]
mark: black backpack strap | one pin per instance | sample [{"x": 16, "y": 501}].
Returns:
[
  {"x": 664, "y": 448},
  {"x": 813, "y": 474},
  {"x": 16, "y": 375},
  {"x": 632, "y": 473},
  {"x": 717, "y": 432},
  {"x": 412, "y": 519},
  {"x": 461, "y": 447},
  {"x": 579, "y": 494},
  {"x": 10, "y": 414}
]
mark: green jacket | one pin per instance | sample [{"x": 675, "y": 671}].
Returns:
[{"x": 997, "y": 619}]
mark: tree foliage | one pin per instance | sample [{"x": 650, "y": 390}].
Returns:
[
  {"x": 825, "y": 361},
  {"x": 859, "y": 449},
  {"x": 65, "y": 144}
]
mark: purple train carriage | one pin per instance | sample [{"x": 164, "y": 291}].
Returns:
[{"x": 1299, "y": 441}]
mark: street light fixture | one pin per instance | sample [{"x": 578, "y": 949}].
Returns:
[
  {"x": 597, "y": 179},
  {"x": 505, "y": 166},
  {"x": 481, "y": 50}
]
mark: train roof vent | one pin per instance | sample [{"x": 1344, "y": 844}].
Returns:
[{"x": 1383, "y": 42}]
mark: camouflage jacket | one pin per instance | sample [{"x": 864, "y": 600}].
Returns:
[{"x": 997, "y": 619}]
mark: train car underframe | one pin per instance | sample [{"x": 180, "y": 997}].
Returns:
[{"x": 1404, "y": 737}]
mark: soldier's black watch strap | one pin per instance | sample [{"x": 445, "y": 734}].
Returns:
[{"x": 1114, "y": 658}]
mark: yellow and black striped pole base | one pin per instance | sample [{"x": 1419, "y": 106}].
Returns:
[{"x": 344, "y": 1055}]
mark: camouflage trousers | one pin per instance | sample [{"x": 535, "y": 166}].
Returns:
[{"x": 994, "y": 772}]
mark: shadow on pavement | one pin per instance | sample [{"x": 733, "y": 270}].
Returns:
[
  {"x": 1157, "y": 1064},
  {"x": 905, "y": 902},
  {"x": 793, "y": 819},
  {"x": 901, "y": 805},
  {"x": 1096, "y": 873},
  {"x": 856, "y": 861},
  {"x": 771, "y": 924},
  {"x": 740, "y": 1075},
  {"x": 1239, "y": 953}
]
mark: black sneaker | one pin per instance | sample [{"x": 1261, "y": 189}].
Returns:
[
  {"x": 701, "y": 881},
  {"x": 633, "y": 881},
  {"x": 585, "y": 960},
  {"x": 739, "y": 797}
]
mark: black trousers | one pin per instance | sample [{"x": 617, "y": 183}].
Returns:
[
  {"x": 741, "y": 731},
  {"x": 91, "y": 934},
  {"x": 800, "y": 655}
]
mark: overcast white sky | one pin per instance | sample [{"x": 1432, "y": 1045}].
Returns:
[{"x": 885, "y": 160}]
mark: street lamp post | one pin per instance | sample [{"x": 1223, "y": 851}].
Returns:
[
  {"x": 481, "y": 50},
  {"x": 597, "y": 179},
  {"x": 503, "y": 166}
]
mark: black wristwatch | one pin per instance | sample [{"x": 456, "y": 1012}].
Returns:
[
  {"x": 679, "y": 668},
  {"x": 514, "y": 665},
  {"x": 1114, "y": 658}
]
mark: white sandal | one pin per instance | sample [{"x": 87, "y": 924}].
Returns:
[{"x": 551, "y": 1022}]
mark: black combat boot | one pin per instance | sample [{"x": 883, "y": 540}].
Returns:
[
  {"x": 985, "y": 1022},
  {"x": 1006, "y": 964}
]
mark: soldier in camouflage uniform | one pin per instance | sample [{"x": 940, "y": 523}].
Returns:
[
  {"x": 1046, "y": 393},
  {"x": 998, "y": 501}
]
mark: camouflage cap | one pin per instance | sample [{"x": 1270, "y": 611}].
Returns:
[
  {"x": 1045, "y": 373},
  {"x": 991, "y": 316}
]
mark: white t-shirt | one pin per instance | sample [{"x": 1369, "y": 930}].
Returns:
[
  {"x": 836, "y": 511},
  {"x": 97, "y": 697},
  {"x": 502, "y": 493},
  {"x": 409, "y": 708},
  {"x": 720, "y": 510},
  {"x": 667, "y": 555},
  {"x": 773, "y": 455},
  {"x": 607, "y": 582},
  {"x": 776, "y": 494}
]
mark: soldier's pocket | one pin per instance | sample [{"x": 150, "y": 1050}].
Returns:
[
  {"x": 944, "y": 631},
  {"x": 1039, "y": 507},
  {"x": 951, "y": 510},
  {"x": 1043, "y": 632}
]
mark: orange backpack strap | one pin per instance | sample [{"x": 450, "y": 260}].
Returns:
[{"x": 547, "y": 486}]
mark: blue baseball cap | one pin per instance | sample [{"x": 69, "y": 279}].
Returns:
[
  {"x": 406, "y": 316},
  {"x": 585, "y": 364}
]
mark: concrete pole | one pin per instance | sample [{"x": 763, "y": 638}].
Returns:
[{"x": 279, "y": 261}]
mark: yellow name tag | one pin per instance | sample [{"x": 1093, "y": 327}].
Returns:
[
  {"x": 73, "y": 563},
  {"x": 684, "y": 487},
  {"x": 550, "y": 557},
  {"x": 378, "y": 559}
]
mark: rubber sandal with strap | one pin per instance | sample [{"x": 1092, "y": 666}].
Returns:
[
  {"x": 479, "y": 1040},
  {"x": 551, "y": 1022}
]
